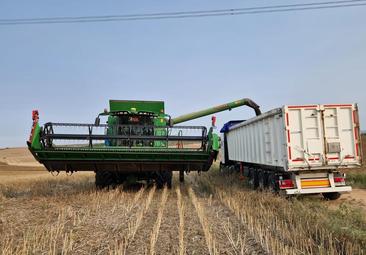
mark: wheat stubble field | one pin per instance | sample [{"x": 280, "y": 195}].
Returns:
[{"x": 209, "y": 214}]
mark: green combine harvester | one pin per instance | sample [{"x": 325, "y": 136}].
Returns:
[{"x": 139, "y": 141}]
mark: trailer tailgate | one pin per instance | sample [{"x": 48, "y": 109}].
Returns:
[{"x": 322, "y": 136}]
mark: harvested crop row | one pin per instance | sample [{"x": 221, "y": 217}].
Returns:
[
  {"x": 180, "y": 205},
  {"x": 79, "y": 223},
  {"x": 231, "y": 235},
  {"x": 155, "y": 233},
  {"x": 210, "y": 239},
  {"x": 194, "y": 240},
  {"x": 281, "y": 226},
  {"x": 125, "y": 238}
]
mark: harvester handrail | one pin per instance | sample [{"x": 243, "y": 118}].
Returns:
[
  {"x": 133, "y": 137},
  {"x": 124, "y": 125},
  {"x": 126, "y": 133},
  {"x": 73, "y": 124}
]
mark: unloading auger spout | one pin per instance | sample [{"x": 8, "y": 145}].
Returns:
[{"x": 220, "y": 108}]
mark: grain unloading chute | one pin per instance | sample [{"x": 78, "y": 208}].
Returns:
[
  {"x": 138, "y": 139},
  {"x": 224, "y": 107}
]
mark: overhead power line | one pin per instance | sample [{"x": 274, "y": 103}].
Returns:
[{"x": 188, "y": 14}]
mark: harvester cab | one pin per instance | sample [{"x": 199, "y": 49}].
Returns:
[
  {"x": 136, "y": 118},
  {"x": 138, "y": 139}
]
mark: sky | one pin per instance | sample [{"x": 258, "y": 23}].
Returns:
[{"x": 70, "y": 71}]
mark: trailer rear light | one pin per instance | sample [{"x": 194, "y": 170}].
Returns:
[
  {"x": 339, "y": 181},
  {"x": 286, "y": 184}
]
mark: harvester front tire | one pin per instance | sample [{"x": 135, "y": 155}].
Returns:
[
  {"x": 99, "y": 180},
  {"x": 169, "y": 178},
  {"x": 105, "y": 179},
  {"x": 332, "y": 195},
  {"x": 164, "y": 178},
  {"x": 181, "y": 176}
]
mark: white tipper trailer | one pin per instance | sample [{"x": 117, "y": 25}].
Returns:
[{"x": 296, "y": 149}]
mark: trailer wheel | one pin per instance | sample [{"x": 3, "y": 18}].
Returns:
[
  {"x": 253, "y": 179},
  {"x": 272, "y": 183},
  {"x": 262, "y": 183},
  {"x": 266, "y": 179},
  {"x": 331, "y": 195},
  {"x": 263, "y": 180}
]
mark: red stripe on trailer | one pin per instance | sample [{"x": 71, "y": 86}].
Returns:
[
  {"x": 288, "y": 136},
  {"x": 354, "y": 116},
  {"x": 289, "y": 152},
  {"x": 301, "y": 160},
  {"x": 298, "y": 160},
  {"x": 356, "y": 133},
  {"x": 349, "y": 157},
  {"x": 301, "y": 106},
  {"x": 338, "y": 105},
  {"x": 287, "y": 119},
  {"x": 333, "y": 158}
]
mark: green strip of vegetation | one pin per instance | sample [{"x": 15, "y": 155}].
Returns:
[{"x": 357, "y": 180}]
